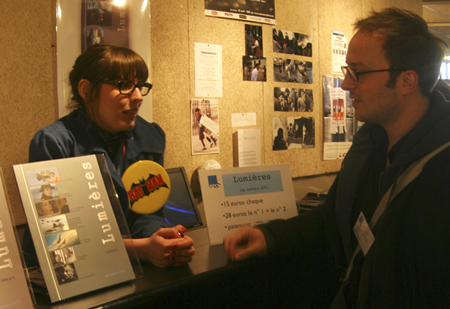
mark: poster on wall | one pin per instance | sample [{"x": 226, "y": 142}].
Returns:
[
  {"x": 204, "y": 126},
  {"x": 81, "y": 23},
  {"x": 338, "y": 51},
  {"x": 247, "y": 10},
  {"x": 289, "y": 42},
  {"x": 208, "y": 70},
  {"x": 337, "y": 119},
  {"x": 104, "y": 23},
  {"x": 293, "y": 133}
]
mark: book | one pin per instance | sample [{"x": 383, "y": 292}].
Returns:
[
  {"x": 14, "y": 288},
  {"x": 71, "y": 208}
]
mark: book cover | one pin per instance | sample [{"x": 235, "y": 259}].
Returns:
[
  {"x": 14, "y": 289},
  {"x": 70, "y": 214}
]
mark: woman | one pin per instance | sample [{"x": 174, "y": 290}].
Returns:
[
  {"x": 108, "y": 84},
  {"x": 45, "y": 209},
  {"x": 47, "y": 192}
]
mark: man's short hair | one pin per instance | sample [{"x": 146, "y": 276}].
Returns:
[{"x": 408, "y": 44}]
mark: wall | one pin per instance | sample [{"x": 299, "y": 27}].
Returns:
[{"x": 28, "y": 75}]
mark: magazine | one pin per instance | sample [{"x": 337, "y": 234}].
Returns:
[
  {"x": 69, "y": 208},
  {"x": 14, "y": 290}
]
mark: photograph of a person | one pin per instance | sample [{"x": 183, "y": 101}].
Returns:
[
  {"x": 300, "y": 132},
  {"x": 292, "y": 71},
  {"x": 44, "y": 192},
  {"x": 66, "y": 273},
  {"x": 293, "y": 132},
  {"x": 205, "y": 126},
  {"x": 254, "y": 69},
  {"x": 53, "y": 224},
  {"x": 62, "y": 240},
  {"x": 45, "y": 209},
  {"x": 253, "y": 41},
  {"x": 289, "y": 42},
  {"x": 60, "y": 205}
]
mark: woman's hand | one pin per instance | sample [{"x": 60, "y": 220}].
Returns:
[{"x": 167, "y": 246}]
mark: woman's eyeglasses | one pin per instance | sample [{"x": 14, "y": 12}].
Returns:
[{"x": 127, "y": 88}]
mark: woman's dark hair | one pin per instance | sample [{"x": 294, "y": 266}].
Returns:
[
  {"x": 408, "y": 44},
  {"x": 103, "y": 62}
]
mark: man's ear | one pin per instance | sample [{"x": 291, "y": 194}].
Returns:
[
  {"x": 408, "y": 81},
  {"x": 83, "y": 88}
]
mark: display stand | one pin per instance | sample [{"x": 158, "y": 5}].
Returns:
[
  {"x": 77, "y": 225},
  {"x": 15, "y": 287}
]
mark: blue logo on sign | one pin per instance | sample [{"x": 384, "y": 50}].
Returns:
[{"x": 212, "y": 181}]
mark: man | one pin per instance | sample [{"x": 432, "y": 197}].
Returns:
[
  {"x": 393, "y": 67},
  {"x": 255, "y": 72}
]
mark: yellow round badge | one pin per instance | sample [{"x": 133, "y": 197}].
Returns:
[{"x": 148, "y": 186}]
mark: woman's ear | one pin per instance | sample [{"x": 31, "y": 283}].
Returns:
[{"x": 83, "y": 88}]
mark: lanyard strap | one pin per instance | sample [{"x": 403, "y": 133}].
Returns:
[{"x": 405, "y": 178}]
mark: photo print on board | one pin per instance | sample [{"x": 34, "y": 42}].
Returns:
[
  {"x": 292, "y": 71},
  {"x": 293, "y": 100},
  {"x": 253, "y": 41},
  {"x": 288, "y": 42},
  {"x": 254, "y": 69},
  {"x": 204, "y": 126},
  {"x": 293, "y": 133}
]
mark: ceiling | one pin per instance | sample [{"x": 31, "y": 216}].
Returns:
[{"x": 437, "y": 15}]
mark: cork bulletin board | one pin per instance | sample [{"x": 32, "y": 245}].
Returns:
[{"x": 28, "y": 93}]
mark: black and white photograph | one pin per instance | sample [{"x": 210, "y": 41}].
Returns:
[
  {"x": 293, "y": 100},
  {"x": 63, "y": 256},
  {"x": 289, "y": 42},
  {"x": 293, "y": 132},
  {"x": 205, "y": 126},
  {"x": 292, "y": 71},
  {"x": 66, "y": 273},
  {"x": 254, "y": 69}
]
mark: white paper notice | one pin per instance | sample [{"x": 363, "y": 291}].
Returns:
[
  {"x": 249, "y": 147},
  {"x": 208, "y": 70},
  {"x": 245, "y": 196},
  {"x": 338, "y": 51},
  {"x": 243, "y": 120}
]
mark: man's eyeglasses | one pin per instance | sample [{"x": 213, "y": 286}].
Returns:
[
  {"x": 354, "y": 75},
  {"x": 128, "y": 87}
]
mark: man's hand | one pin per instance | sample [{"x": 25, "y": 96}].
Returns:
[{"x": 245, "y": 243}]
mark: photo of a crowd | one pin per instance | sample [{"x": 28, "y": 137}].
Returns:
[
  {"x": 292, "y": 71},
  {"x": 288, "y": 42},
  {"x": 293, "y": 100}
]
